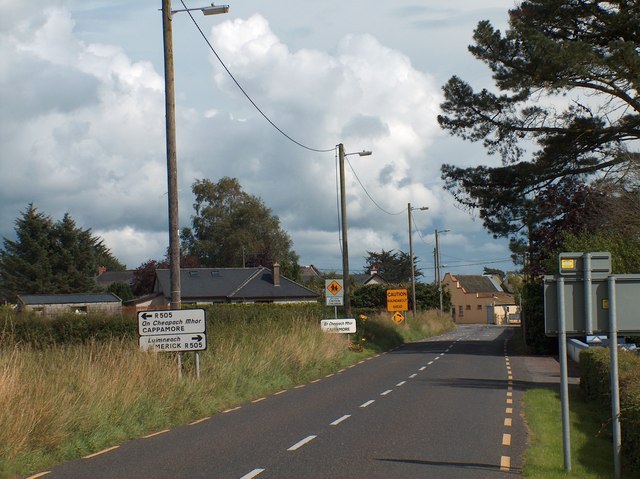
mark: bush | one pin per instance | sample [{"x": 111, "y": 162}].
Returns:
[
  {"x": 533, "y": 314},
  {"x": 39, "y": 332},
  {"x": 595, "y": 382}
]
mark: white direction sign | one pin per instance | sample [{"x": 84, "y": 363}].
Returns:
[
  {"x": 179, "y": 321},
  {"x": 347, "y": 325},
  {"x": 173, "y": 342},
  {"x": 172, "y": 330}
]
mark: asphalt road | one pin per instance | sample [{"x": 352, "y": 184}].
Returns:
[{"x": 442, "y": 408}]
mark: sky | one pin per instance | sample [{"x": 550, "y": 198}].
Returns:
[{"x": 82, "y": 120}]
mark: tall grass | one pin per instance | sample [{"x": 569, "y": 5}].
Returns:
[{"x": 63, "y": 401}]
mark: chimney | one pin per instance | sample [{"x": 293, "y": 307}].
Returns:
[{"x": 275, "y": 272}]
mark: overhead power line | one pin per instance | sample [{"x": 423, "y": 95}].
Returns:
[{"x": 264, "y": 115}]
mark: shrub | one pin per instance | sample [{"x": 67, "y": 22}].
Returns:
[{"x": 595, "y": 382}]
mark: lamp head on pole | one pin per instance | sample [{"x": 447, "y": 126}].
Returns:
[{"x": 215, "y": 9}]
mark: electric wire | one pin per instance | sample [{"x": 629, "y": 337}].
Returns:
[
  {"x": 247, "y": 95},
  {"x": 367, "y": 193},
  {"x": 318, "y": 150}
]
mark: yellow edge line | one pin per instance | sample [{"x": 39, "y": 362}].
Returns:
[
  {"x": 104, "y": 451},
  {"x": 505, "y": 463}
]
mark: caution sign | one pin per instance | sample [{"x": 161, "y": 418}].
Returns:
[
  {"x": 397, "y": 300},
  {"x": 397, "y": 317},
  {"x": 334, "y": 292}
]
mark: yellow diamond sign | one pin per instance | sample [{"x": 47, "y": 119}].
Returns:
[
  {"x": 334, "y": 287},
  {"x": 334, "y": 292}
]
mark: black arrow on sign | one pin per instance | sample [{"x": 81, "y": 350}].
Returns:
[
  {"x": 197, "y": 338},
  {"x": 146, "y": 315}
]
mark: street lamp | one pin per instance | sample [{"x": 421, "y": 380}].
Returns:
[
  {"x": 437, "y": 257},
  {"x": 413, "y": 269},
  {"x": 343, "y": 214},
  {"x": 172, "y": 162}
]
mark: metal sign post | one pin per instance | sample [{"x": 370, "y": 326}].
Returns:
[
  {"x": 564, "y": 377},
  {"x": 615, "y": 394},
  {"x": 587, "y": 299}
]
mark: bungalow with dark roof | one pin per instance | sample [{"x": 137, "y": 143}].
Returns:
[
  {"x": 479, "y": 299},
  {"x": 49, "y": 305},
  {"x": 233, "y": 285}
]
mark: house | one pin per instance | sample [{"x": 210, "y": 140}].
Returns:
[
  {"x": 369, "y": 279},
  {"x": 310, "y": 273},
  {"x": 107, "y": 278},
  {"x": 233, "y": 285},
  {"x": 479, "y": 299},
  {"x": 49, "y": 305}
]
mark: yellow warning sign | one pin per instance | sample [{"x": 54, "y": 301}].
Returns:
[
  {"x": 334, "y": 287},
  {"x": 397, "y": 300},
  {"x": 334, "y": 292},
  {"x": 397, "y": 317}
]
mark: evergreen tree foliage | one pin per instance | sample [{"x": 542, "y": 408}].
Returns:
[
  {"x": 569, "y": 76},
  {"x": 26, "y": 263},
  {"x": 232, "y": 228},
  {"x": 50, "y": 258},
  {"x": 122, "y": 290},
  {"x": 393, "y": 266}
]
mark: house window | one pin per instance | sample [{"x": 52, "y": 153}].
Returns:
[
  {"x": 79, "y": 309},
  {"x": 479, "y": 307},
  {"x": 194, "y": 274},
  {"x": 460, "y": 311},
  {"x": 468, "y": 308}
]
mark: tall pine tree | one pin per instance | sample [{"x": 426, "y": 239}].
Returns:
[{"x": 50, "y": 257}]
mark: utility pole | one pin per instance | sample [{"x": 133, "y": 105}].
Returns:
[
  {"x": 413, "y": 269},
  {"x": 345, "y": 243},
  {"x": 172, "y": 162},
  {"x": 437, "y": 262}
]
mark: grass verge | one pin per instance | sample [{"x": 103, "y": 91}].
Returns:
[
  {"x": 591, "y": 446},
  {"x": 63, "y": 401}
]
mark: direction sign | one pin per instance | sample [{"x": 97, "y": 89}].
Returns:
[
  {"x": 173, "y": 342},
  {"x": 338, "y": 325},
  {"x": 180, "y": 321},
  {"x": 397, "y": 300},
  {"x": 172, "y": 330},
  {"x": 334, "y": 292}
]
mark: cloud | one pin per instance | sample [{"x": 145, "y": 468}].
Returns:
[{"x": 84, "y": 133}]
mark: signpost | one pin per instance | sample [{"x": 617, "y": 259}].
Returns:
[
  {"x": 586, "y": 299},
  {"x": 173, "y": 331}
]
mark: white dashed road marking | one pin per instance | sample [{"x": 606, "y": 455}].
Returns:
[{"x": 299, "y": 444}]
